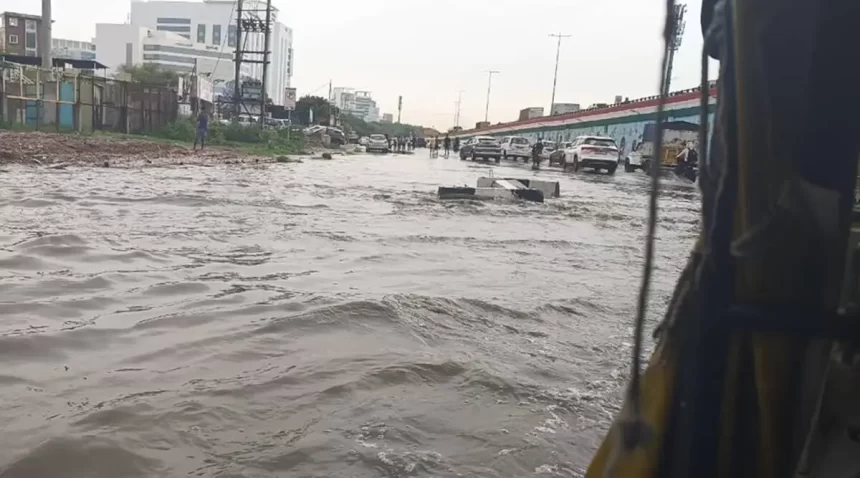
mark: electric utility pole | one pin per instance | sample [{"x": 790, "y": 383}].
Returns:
[{"x": 45, "y": 36}]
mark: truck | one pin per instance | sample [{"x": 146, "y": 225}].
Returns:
[{"x": 677, "y": 136}]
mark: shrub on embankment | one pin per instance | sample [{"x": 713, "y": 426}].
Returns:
[{"x": 246, "y": 137}]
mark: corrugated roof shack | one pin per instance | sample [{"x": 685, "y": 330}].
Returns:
[{"x": 71, "y": 100}]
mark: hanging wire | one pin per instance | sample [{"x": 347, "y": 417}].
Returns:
[
  {"x": 635, "y": 431},
  {"x": 225, "y": 40}
]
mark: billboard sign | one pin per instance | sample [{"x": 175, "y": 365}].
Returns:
[
  {"x": 205, "y": 89},
  {"x": 290, "y": 98}
]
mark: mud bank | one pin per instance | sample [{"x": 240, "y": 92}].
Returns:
[{"x": 58, "y": 150}]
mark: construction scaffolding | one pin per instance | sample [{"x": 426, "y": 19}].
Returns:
[{"x": 68, "y": 100}]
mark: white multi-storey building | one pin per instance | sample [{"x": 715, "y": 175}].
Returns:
[
  {"x": 124, "y": 44},
  {"x": 343, "y": 99},
  {"x": 366, "y": 107},
  {"x": 78, "y": 50},
  {"x": 356, "y": 103},
  {"x": 208, "y": 37}
]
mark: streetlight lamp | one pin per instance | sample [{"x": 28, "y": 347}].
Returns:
[
  {"x": 490, "y": 74},
  {"x": 555, "y": 76}
]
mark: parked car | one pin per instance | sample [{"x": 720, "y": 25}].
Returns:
[
  {"x": 597, "y": 152},
  {"x": 557, "y": 155},
  {"x": 516, "y": 147},
  {"x": 549, "y": 147},
  {"x": 338, "y": 137},
  {"x": 377, "y": 142},
  {"x": 484, "y": 147},
  {"x": 278, "y": 123},
  {"x": 311, "y": 130}
]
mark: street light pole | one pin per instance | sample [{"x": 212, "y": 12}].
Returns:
[
  {"x": 490, "y": 74},
  {"x": 555, "y": 76},
  {"x": 457, "y": 114}
]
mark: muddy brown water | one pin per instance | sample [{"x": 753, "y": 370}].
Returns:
[{"x": 325, "y": 319}]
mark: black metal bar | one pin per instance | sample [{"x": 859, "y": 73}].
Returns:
[{"x": 704, "y": 347}]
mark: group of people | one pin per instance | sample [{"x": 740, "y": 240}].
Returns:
[
  {"x": 401, "y": 144},
  {"x": 446, "y": 144}
]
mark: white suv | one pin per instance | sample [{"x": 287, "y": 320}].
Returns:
[
  {"x": 598, "y": 152},
  {"x": 516, "y": 147}
]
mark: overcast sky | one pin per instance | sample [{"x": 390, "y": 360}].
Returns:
[{"x": 429, "y": 50}]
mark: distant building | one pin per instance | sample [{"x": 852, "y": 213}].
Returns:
[
  {"x": 387, "y": 118},
  {"x": 343, "y": 99},
  {"x": 564, "y": 108},
  {"x": 19, "y": 34},
  {"x": 74, "y": 49},
  {"x": 127, "y": 44},
  {"x": 482, "y": 124},
  {"x": 356, "y": 103},
  {"x": 599, "y": 105},
  {"x": 618, "y": 99},
  {"x": 365, "y": 107},
  {"x": 529, "y": 113},
  {"x": 208, "y": 29}
]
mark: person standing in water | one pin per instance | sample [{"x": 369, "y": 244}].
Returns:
[
  {"x": 202, "y": 128},
  {"x": 537, "y": 150},
  {"x": 447, "y": 144}
]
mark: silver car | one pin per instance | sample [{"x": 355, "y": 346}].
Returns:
[
  {"x": 484, "y": 147},
  {"x": 377, "y": 142}
]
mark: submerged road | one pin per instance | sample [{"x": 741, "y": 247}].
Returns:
[{"x": 325, "y": 319}]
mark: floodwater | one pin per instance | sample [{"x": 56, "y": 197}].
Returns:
[{"x": 325, "y": 319}]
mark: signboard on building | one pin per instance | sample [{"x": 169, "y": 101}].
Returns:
[{"x": 289, "y": 98}]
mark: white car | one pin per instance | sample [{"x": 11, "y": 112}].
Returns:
[
  {"x": 516, "y": 147},
  {"x": 548, "y": 149},
  {"x": 313, "y": 130},
  {"x": 377, "y": 142},
  {"x": 597, "y": 152}
]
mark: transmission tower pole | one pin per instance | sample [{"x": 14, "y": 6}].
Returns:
[
  {"x": 248, "y": 22},
  {"x": 267, "y": 36},
  {"x": 237, "y": 80}
]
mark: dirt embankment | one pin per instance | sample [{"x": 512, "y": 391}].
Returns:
[{"x": 57, "y": 150}]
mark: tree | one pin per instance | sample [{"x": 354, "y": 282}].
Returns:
[
  {"x": 363, "y": 128},
  {"x": 320, "y": 106},
  {"x": 151, "y": 74}
]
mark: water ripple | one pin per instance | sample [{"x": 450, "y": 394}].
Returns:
[{"x": 325, "y": 319}]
